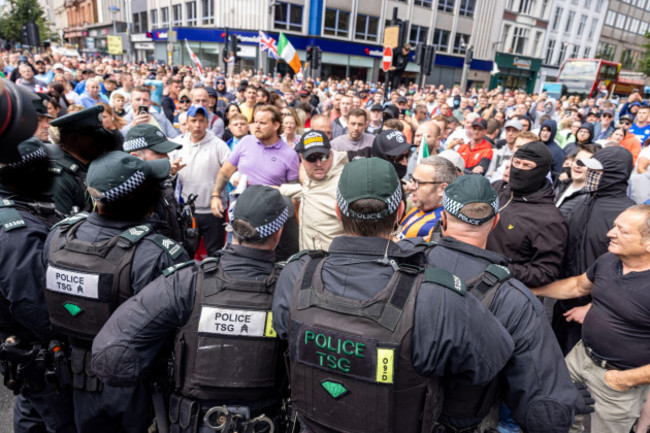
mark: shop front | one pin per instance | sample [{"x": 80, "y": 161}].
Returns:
[{"x": 516, "y": 72}]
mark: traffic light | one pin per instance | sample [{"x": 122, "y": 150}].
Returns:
[
  {"x": 469, "y": 55},
  {"x": 316, "y": 58},
  {"x": 30, "y": 35},
  {"x": 419, "y": 54},
  {"x": 310, "y": 53},
  {"x": 427, "y": 59},
  {"x": 233, "y": 45}
]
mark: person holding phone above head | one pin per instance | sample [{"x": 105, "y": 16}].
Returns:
[{"x": 141, "y": 114}]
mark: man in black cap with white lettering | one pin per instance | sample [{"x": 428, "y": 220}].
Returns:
[
  {"x": 228, "y": 360},
  {"x": 94, "y": 263},
  {"x": 391, "y": 145},
  {"x": 369, "y": 333}
]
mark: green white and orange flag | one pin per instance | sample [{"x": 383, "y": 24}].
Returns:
[
  {"x": 288, "y": 53},
  {"x": 423, "y": 150}
]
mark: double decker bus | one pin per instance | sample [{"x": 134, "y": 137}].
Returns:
[{"x": 594, "y": 77}]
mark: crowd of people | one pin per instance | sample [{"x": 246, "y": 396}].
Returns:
[{"x": 428, "y": 259}]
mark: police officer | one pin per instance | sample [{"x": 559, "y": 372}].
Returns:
[
  {"x": 539, "y": 389},
  {"x": 173, "y": 220},
  {"x": 25, "y": 219},
  {"x": 94, "y": 263},
  {"x": 228, "y": 361},
  {"x": 369, "y": 333},
  {"x": 82, "y": 139}
]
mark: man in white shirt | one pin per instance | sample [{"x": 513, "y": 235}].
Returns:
[{"x": 204, "y": 154}]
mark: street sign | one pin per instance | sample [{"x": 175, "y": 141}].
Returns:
[
  {"x": 387, "y": 60},
  {"x": 391, "y": 36}
]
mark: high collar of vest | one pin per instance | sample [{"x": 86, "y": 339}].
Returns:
[{"x": 250, "y": 253}]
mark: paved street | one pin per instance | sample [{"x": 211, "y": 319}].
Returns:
[{"x": 6, "y": 410}]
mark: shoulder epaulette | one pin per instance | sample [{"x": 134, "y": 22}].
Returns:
[
  {"x": 7, "y": 203},
  {"x": 501, "y": 273},
  {"x": 55, "y": 170},
  {"x": 313, "y": 253},
  {"x": 67, "y": 165},
  {"x": 170, "y": 246},
  {"x": 10, "y": 218},
  {"x": 445, "y": 279},
  {"x": 210, "y": 264},
  {"x": 170, "y": 270},
  {"x": 72, "y": 220},
  {"x": 135, "y": 234}
]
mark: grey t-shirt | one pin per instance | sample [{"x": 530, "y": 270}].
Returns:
[{"x": 361, "y": 148}]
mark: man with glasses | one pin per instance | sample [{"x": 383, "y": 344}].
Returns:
[
  {"x": 224, "y": 97},
  {"x": 322, "y": 166},
  {"x": 604, "y": 128},
  {"x": 356, "y": 142},
  {"x": 630, "y": 141},
  {"x": 427, "y": 184}
]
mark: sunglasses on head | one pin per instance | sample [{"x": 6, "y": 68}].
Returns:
[{"x": 313, "y": 158}]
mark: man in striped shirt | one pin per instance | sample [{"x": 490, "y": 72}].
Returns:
[{"x": 427, "y": 183}]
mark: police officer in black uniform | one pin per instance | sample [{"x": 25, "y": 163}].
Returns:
[
  {"x": 82, "y": 139},
  {"x": 369, "y": 333},
  {"x": 94, "y": 263},
  {"x": 173, "y": 220},
  {"x": 229, "y": 371},
  {"x": 25, "y": 218},
  {"x": 537, "y": 386}
]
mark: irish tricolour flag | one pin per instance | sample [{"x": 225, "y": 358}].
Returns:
[{"x": 288, "y": 53}]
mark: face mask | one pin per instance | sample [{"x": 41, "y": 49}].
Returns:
[
  {"x": 592, "y": 180},
  {"x": 400, "y": 169}
]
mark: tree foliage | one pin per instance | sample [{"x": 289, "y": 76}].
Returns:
[{"x": 19, "y": 13}]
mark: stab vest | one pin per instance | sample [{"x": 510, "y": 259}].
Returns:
[
  {"x": 350, "y": 361},
  {"x": 87, "y": 281},
  {"x": 228, "y": 351}
]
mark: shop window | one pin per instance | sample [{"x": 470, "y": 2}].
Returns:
[
  {"x": 418, "y": 35},
  {"x": 446, "y": 5},
  {"x": 191, "y": 13},
  {"x": 288, "y": 16},
  {"x": 366, "y": 27},
  {"x": 154, "y": 18},
  {"x": 337, "y": 23},
  {"x": 423, "y": 3},
  {"x": 208, "y": 11},
  {"x": 178, "y": 15},
  {"x": 467, "y": 7},
  {"x": 460, "y": 43},
  {"x": 440, "y": 40}
]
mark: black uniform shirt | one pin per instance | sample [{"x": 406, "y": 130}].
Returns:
[
  {"x": 452, "y": 334},
  {"x": 69, "y": 190},
  {"x": 617, "y": 326}
]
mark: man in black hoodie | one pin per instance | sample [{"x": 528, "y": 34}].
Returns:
[
  {"x": 531, "y": 232},
  {"x": 547, "y": 135},
  {"x": 589, "y": 222},
  {"x": 584, "y": 135}
]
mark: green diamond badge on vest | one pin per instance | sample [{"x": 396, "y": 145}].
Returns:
[
  {"x": 73, "y": 309},
  {"x": 335, "y": 389}
]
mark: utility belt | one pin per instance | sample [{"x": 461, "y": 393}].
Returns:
[
  {"x": 187, "y": 415},
  {"x": 602, "y": 363},
  {"x": 83, "y": 377},
  {"x": 33, "y": 367}
]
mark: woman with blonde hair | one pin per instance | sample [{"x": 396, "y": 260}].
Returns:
[
  {"x": 110, "y": 120},
  {"x": 292, "y": 126}
]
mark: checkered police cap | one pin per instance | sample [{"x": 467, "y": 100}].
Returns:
[
  {"x": 29, "y": 150},
  {"x": 264, "y": 208},
  {"x": 467, "y": 189}
]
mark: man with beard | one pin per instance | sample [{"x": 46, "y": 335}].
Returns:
[
  {"x": 531, "y": 232},
  {"x": 83, "y": 139},
  {"x": 356, "y": 142},
  {"x": 25, "y": 220}
]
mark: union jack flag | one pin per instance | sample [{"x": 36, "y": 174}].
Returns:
[{"x": 268, "y": 44}]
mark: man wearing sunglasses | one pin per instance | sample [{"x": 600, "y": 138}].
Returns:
[
  {"x": 604, "y": 128},
  {"x": 322, "y": 167},
  {"x": 224, "y": 97},
  {"x": 630, "y": 141}
]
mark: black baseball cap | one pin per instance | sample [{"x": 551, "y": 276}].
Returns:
[
  {"x": 377, "y": 107},
  {"x": 313, "y": 142},
  {"x": 390, "y": 142},
  {"x": 480, "y": 122}
]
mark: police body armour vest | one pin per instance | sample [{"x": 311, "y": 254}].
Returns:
[
  {"x": 228, "y": 350},
  {"x": 350, "y": 361},
  {"x": 87, "y": 281}
]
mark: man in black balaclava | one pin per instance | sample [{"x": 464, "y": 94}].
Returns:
[
  {"x": 392, "y": 146},
  {"x": 531, "y": 232}
]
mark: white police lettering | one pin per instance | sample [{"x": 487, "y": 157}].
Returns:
[
  {"x": 226, "y": 321},
  {"x": 72, "y": 283}
]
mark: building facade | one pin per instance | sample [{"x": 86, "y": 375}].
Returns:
[
  {"x": 573, "y": 32},
  {"x": 623, "y": 33}
]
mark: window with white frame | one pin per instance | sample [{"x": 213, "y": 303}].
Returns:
[
  {"x": 643, "y": 28},
  {"x": 587, "y": 4},
  {"x": 423, "y": 3},
  {"x": 525, "y": 6},
  {"x": 208, "y": 11},
  {"x": 557, "y": 18},
  {"x": 582, "y": 24},
  {"x": 599, "y": 5},
  {"x": 634, "y": 25},
  {"x": 620, "y": 21},
  {"x": 569, "y": 21},
  {"x": 446, "y": 5},
  {"x": 418, "y": 35},
  {"x": 136, "y": 24},
  {"x": 178, "y": 15},
  {"x": 574, "y": 51},
  {"x": 610, "y": 18},
  {"x": 536, "y": 41},
  {"x": 154, "y": 18},
  {"x": 164, "y": 17},
  {"x": 190, "y": 7},
  {"x": 548, "y": 58},
  {"x": 560, "y": 57},
  {"x": 587, "y": 52},
  {"x": 505, "y": 34},
  {"x": 337, "y": 22},
  {"x": 519, "y": 40},
  {"x": 592, "y": 29},
  {"x": 366, "y": 27},
  {"x": 440, "y": 39},
  {"x": 288, "y": 16},
  {"x": 460, "y": 43},
  {"x": 467, "y": 7}
]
